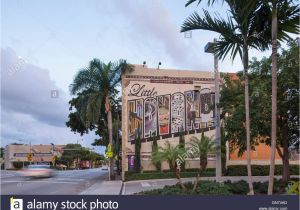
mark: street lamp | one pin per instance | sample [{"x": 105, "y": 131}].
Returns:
[{"x": 209, "y": 49}]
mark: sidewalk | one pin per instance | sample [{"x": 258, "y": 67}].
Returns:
[
  {"x": 117, "y": 187},
  {"x": 104, "y": 188},
  {"x": 136, "y": 186}
]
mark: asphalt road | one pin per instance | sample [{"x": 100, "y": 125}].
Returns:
[{"x": 65, "y": 182}]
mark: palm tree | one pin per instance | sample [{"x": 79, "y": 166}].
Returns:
[
  {"x": 99, "y": 81},
  {"x": 280, "y": 18},
  {"x": 237, "y": 34},
  {"x": 292, "y": 13},
  {"x": 200, "y": 149},
  {"x": 170, "y": 154}
]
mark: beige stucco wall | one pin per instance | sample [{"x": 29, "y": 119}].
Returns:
[{"x": 161, "y": 82}]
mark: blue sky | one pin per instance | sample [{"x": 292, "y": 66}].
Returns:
[{"x": 55, "y": 38}]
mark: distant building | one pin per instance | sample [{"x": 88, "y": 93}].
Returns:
[{"x": 40, "y": 153}]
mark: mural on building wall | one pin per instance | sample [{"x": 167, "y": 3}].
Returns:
[
  {"x": 135, "y": 124},
  {"x": 163, "y": 103},
  {"x": 164, "y": 115},
  {"x": 150, "y": 117},
  {"x": 205, "y": 107},
  {"x": 192, "y": 99},
  {"x": 177, "y": 113}
]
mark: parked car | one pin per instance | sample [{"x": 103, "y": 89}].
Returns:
[{"x": 38, "y": 171}]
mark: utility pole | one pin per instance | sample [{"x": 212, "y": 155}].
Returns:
[{"x": 209, "y": 49}]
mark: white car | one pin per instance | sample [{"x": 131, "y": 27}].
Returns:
[{"x": 38, "y": 171}]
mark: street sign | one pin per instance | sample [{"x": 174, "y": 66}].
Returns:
[
  {"x": 29, "y": 157},
  {"x": 109, "y": 154},
  {"x": 108, "y": 148}
]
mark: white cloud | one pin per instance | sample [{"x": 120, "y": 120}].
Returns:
[{"x": 28, "y": 112}]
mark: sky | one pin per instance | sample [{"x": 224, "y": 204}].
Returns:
[{"x": 44, "y": 43}]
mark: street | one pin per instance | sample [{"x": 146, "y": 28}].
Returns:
[{"x": 65, "y": 182}]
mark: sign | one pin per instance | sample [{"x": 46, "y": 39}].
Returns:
[
  {"x": 108, "y": 148},
  {"x": 54, "y": 158},
  {"x": 109, "y": 154},
  {"x": 29, "y": 157}
]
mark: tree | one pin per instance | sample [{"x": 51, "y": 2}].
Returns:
[
  {"x": 287, "y": 114},
  {"x": 260, "y": 100},
  {"x": 100, "y": 81},
  {"x": 1, "y": 152},
  {"x": 137, "y": 151},
  {"x": 71, "y": 152},
  {"x": 156, "y": 163},
  {"x": 280, "y": 17},
  {"x": 201, "y": 148},
  {"x": 182, "y": 146},
  {"x": 170, "y": 154},
  {"x": 274, "y": 32},
  {"x": 238, "y": 33}
]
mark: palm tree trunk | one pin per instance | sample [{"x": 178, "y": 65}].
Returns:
[
  {"x": 177, "y": 175},
  {"x": 196, "y": 182},
  {"x": 247, "y": 109},
  {"x": 109, "y": 125},
  {"x": 274, "y": 97}
]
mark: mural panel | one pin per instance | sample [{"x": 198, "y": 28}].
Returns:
[
  {"x": 192, "y": 99},
  {"x": 135, "y": 122},
  {"x": 177, "y": 113},
  {"x": 206, "y": 103},
  {"x": 163, "y": 114},
  {"x": 150, "y": 117}
]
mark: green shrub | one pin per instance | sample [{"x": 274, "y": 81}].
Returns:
[
  {"x": 17, "y": 164},
  {"x": 204, "y": 188},
  {"x": 165, "y": 174},
  {"x": 239, "y": 188},
  {"x": 259, "y": 170},
  {"x": 212, "y": 188}
]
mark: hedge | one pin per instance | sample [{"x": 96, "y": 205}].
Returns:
[
  {"x": 203, "y": 188},
  {"x": 165, "y": 174},
  {"x": 259, "y": 170},
  {"x": 19, "y": 164},
  {"x": 236, "y": 170}
]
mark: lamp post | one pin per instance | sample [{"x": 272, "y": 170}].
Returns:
[{"x": 209, "y": 49}]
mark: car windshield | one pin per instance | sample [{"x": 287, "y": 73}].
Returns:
[{"x": 38, "y": 166}]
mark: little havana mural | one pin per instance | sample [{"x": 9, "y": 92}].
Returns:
[{"x": 164, "y": 115}]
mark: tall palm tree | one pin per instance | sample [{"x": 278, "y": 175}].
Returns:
[
  {"x": 170, "y": 154},
  {"x": 101, "y": 81},
  {"x": 281, "y": 17},
  {"x": 292, "y": 25},
  {"x": 200, "y": 149},
  {"x": 237, "y": 34}
]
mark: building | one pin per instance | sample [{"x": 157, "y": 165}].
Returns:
[
  {"x": 161, "y": 104},
  {"x": 40, "y": 153}
]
